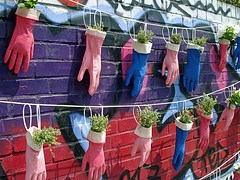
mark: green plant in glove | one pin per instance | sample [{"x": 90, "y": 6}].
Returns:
[
  {"x": 27, "y": 3},
  {"x": 227, "y": 32},
  {"x": 186, "y": 116},
  {"x": 99, "y": 123},
  {"x": 176, "y": 39},
  {"x": 144, "y": 36},
  {"x": 46, "y": 136},
  {"x": 147, "y": 117},
  {"x": 200, "y": 42},
  {"x": 234, "y": 99},
  {"x": 206, "y": 104},
  {"x": 97, "y": 27}
]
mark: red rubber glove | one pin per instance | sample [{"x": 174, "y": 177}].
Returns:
[
  {"x": 92, "y": 58},
  {"x": 204, "y": 130},
  {"x": 22, "y": 41},
  {"x": 143, "y": 141},
  {"x": 95, "y": 155},
  {"x": 223, "y": 53},
  {"x": 171, "y": 62},
  {"x": 228, "y": 115}
]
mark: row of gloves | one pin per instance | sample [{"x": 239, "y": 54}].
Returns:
[{"x": 22, "y": 46}]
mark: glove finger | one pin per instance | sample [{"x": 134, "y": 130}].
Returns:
[
  {"x": 174, "y": 77},
  {"x": 92, "y": 86},
  {"x": 99, "y": 173},
  {"x": 199, "y": 143},
  {"x": 188, "y": 85},
  {"x": 128, "y": 77},
  {"x": 163, "y": 68},
  {"x": 81, "y": 72},
  {"x": 18, "y": 63},
  {"x": 184, "y": 82},
  {"x": 179, "y": 161},
  {"x": 26, "y": 62},
  {"x": 234, "y": 56},
  {"x": 44, "y": 175},
  {"x": 143, "y": 158},
  {"x": 84, "y": 161},
  {"x": 238, "y": 63},
  {"x": 7, "y": 55},
  {"x": 12, "y": 60},
  {"x": 137, "y": 87},
  {"x": 175, "y": 156},
  {"x": 169, "y": 77},
  {"x": 95, "y": 174},
  {"x": 195, "y": 85},
  {"x": 134, "y": 149},
  {"x": 90, "y": 174},
  {"x": 31, "y": 51},
  {"x": 191, "y": 85},
  {"x": 103, "y": 169},
  {"x": 97, "y": 82}
]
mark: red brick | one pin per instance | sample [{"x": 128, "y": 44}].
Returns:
[
  {"x": 123, "y": 139},
  {"x": 62, "y": 152},
  {"x": 67, "y": 167},
  {"x": 127, "y": 124},
  {"x": 7, "y": 164},
  {"x": 191, "y": 145},
  {"x": 155, "y": 132},
  {"x": 19, "y": 143},
  {"x": 19, "y": 161},
  {"x": 172, "y": 128},
  {"x": 190, "y": 136},
  {"x": 20, "y": 175},
  {"x": 48, "y": 155},
  {"x": 108, "y": 142},
  {"x": 52, "y": 172},
  {"x": 162, "y": 142},
  {"x": 113, "y": 127},
  {"x": 166, "y": 153},
  {"x": 5, "y": 147}
]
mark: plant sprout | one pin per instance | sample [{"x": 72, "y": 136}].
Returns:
[
  {"x": 200, "y": 42},
  {"x": 176, "y": 39},
  {"x": 144, "y": 36},
  {"x": 234, "y": 99},
  {"x": 206, "y": 104},
  {"x": 27, "y": 3},
  {"x": 99, "y": 123},
  {"x": 186, "y": 116}
]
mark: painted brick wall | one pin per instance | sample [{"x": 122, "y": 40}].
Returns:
[{"x": 59, "y": 48}]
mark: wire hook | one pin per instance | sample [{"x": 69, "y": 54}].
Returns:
[
  {"x": 30, "y": 117},
  {"x": 84, "y": 114},
  {"x": 134, "y": 113}
]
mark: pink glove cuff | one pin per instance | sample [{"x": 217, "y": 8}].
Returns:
[
  {"x": 96, "y": 32},
  {"x": 224, "y": 41},
  {"x": 141, "y": 47},
  {"x": 96, "y": 137},
  {"x": 185, "y": 127},
  {"x": 209, "y": 117},
  {"x": 195, "y": 46},
  {"x": 173, "y": 47},
  {"x": 29, "y": 136},
  {"x": 143, "y": 132},
  {"x": 28, "y": 13}
]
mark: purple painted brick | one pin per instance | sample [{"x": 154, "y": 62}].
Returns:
[
  {"x": 125, "y": 96},
  {"x": 3, "y": 30},
  {"x": 16, "y": 109},
  {"x": 58, "y": 51},
  {"x": 58, "y": 68},
  {"x": 57, "y": 34},
  {"x": 39, "y": 51},
  {"x": 107, "y": 83},
  {"x": 77, "y": 52},
  {"x": 61, "y": 85},
  {"x": 12, "y": 126},
  {"x": 107, "y": 98},
  {"x": 81, "y": 36},
  {"x": 108, "y": 68},
  {"x": 3, "y": 48},
  {"x": 4, "y": 110},
  {"x": 158, "y": 93},
  {"x": 158, "y": 43},
  {"x": 10, "y": 28}
]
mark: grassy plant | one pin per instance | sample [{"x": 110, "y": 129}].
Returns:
[
  {"x": 144, "y": 36},
  {"x": 234, "y": 99},
  {"x": 206, "y": 104},
  {"x": 27, "y": 3},
  {"x": 186, "y": 116},
  {"x": 97, "y": 27},
  {"x": 46, "y": 136},
  {"x": 229, "y": 34},
  {"x": 99, "y": 123},
  {"x": 200, "y": 41},
  {"x": 176, "y": 39},
  {"x": 147, "y": 117}
]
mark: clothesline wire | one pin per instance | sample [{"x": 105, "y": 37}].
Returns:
[
  {"x": 116, "y": 106},
  {"x": 137, "y": 21}
]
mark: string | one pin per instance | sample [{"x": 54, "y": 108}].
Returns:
[{"x": 116, "y": 106}]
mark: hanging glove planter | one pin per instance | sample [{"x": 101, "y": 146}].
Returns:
[
  {"x": 22, "y": 41},
  {"x": 205, "y": 113},
  {"x": 191, "y": 74},
  {"x": 236, "y": 54},
  {"x": 95, "y": 155},
  {"x": 92, "y": 57},
  {"x": 171, "y": 59},
  {"x": 147, "y": 118},
  {"x": 183, "y": 125},
  {"x": 226, "y": 33},
  {"x": 141, "y": 49}
]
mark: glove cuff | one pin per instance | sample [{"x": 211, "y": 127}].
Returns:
[
  {"x": 143, "y": 132},
  {"x": 183, "y": 126},
  {"x": 173, "y": 47},
  {"x": 96, "y": 32},
  {"x": 29, "y": 137},
  {"x": 96, "y": 137},
  {"x": 141, "y": 47},
  {"x": 195, "y": 46},
  {"x": 224, "y": 41},
  {"x": 231, "y": 107},
  {"x": 28, "y": 13},
  {"x": 209, "y": 117}
]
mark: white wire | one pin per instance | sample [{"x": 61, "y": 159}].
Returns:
[
  {"x": 30, "y": 117},
  {"x": 134, "y": 113},
  {"x": 116, "y": 106}
]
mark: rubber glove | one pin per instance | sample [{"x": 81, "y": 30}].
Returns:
[
  {"x": 22, "y": 41},
  {"x": 143, "y": 141},
  {"x": 227, "y": 114},
  {"x": 35, "y": 161},
  {"x": 236, "y": 54},
  {"x": 223, "y": 53},
  {"x": 138, "y": 67},
  {"x": 204, "y": 130},
  {"x": 95, "y": 155},
  {"x": 171, "y": 62},
  {"x": 191, "y": 74},
  {"x": 182, "y": 131},
  {"x": 92, "y": 58}
]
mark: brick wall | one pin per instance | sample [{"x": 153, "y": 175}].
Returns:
[{"x": 51, "y": 79}]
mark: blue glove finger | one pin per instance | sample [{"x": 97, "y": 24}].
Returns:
[
  {"x": 175, "y": 156},
  {"x": 179, "y": 161},
  {"x": 137, "y": 86},
  {"x": 191, "y": 84},
  {"x": 195, "y": 85},
  {"x": 238, "y": 63},
  {"x": 188, "y": 85},
  {"x": 235, "y": 55},
  {"x": 128, "y": 77},
  {"x": 184, "y": 82}
]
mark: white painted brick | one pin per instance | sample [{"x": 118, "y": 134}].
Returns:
[
  {"x": 214, "y": 17},
  {"x": 202, "y": 14},
  {"x": 193, "y": 13}
]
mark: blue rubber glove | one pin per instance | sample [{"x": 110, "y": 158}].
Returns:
[
  {"x": 191, "y": 74},
  {"x": 138, "y": 71},
  {"x": 179, "y": 152},
  {"x": 236, "y": 54}
]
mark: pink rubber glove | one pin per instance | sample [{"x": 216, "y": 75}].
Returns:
[
  {"x": 35, "y": 162},
  {"x": 228, "y": 115},
  {"x": 92, "y": 58},
  {"x": 204, "y": 130},
  {"x": 95, "y": 155},
  {"x": 22, "y": 41},
  {"x": 223, "y": 53},
  {"x": 171, "y": 62},
  {"x": 143, "y": 141}
]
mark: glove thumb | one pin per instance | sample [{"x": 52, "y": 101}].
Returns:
[{"x": 84, "y": 162}]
